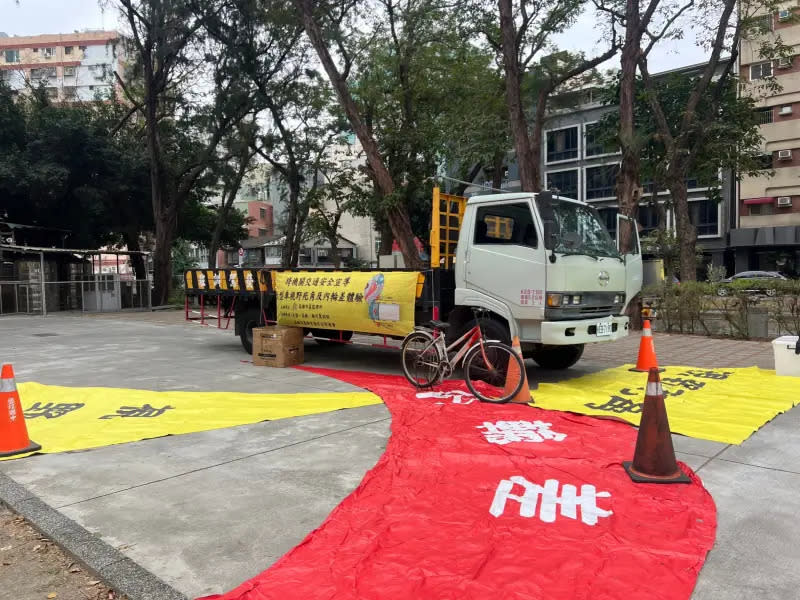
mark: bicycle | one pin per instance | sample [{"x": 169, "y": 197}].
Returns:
[{"x": 487, "y": 363}]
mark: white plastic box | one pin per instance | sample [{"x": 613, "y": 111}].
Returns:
[{"x": 786, "y": 361}]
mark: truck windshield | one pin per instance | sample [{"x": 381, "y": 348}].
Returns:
[{"x": 579, "y": 230}]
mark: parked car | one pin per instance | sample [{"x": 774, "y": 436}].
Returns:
[{"x": 760, "y": 282}]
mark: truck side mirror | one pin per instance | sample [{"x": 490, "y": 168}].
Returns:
[{"x": 550, "y": 237}]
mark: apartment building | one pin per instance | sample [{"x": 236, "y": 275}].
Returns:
[
  {"x": 766, "y": 234},
  {"x": 72, "y": 66}
]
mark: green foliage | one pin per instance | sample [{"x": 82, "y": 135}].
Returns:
[
  {"x": 181, "y": 261},
  {"x": 60, "y": 168},
  {"x": 695, "y": 307}
]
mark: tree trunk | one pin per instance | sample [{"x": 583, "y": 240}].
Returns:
[
  {"x": 137, "y": 260},
  {"x": 684, "y": 230},
  {"x": 398, "y": 215},
  {"x": 291, "y": 253},
  {"x": 335, "y": 258},
  {"x": 497, "y": 165},
  {"x": 162, "y": 260},
  {"x": 385, "y": 248},
  {"x": 628, "y": 177},
  {"x": 526, "y": 161}
]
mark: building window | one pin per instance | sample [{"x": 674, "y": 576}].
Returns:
[
  {"x": 648, "y": 219},
  {"x": 67, "y": 49},
  {"x": 262, "y": 232},
  {"x": 43, "y": 73},
  {"x": 764, "y": 115},
  {"x": 52, "y": 92},
  {"x": 273, "y": 251},
  {"x": 704, "y": 215},
  {"x": 262, "y": 213},
  {"x": 49, "y": 52},
  {"x": 506, "y": 224},
  {"x": 69, "y": 71},
  {"x": 601, "y": 181},
  {"x": 36, "y": 51},
  {"x": 12, "y": 56},
  {"x": 566, "y": 182},
  {"x": 609, "y": 218},
  {"x": 761, "y": 70},
  {"x": 593, "y": 145},
  {"x": 762, "y": 209},
  {"x": 562, "y": 144},
  {"x": 762, "y": 23},
  {"x": 766, "y": 161}
]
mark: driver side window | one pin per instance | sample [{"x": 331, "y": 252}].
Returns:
[{"x": 506, "y": 224}]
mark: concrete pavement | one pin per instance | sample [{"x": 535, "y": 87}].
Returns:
[{"x": 205, "y": 511}]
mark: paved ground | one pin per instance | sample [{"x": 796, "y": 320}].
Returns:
[{"x": 206, "y": 511}]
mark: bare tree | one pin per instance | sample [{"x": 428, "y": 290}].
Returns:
[
  {"x": 162, "y": 37},
  {"x": 333, "y": 14},
  {"x": 526, "y": 28}
]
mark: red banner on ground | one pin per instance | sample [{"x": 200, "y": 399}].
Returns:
[{"x": 477, "y": 501}]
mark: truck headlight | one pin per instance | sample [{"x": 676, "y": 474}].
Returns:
[
  {"x": 619, "y": 299},
  {"x": 554, "y": 300},
  {"x": 576, "y": 299}
]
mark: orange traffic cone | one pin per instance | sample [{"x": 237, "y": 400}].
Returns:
[
  {"x": 654, "y": 457},
  {"x": 524, "y": 395},
  {"x": 13, "y": 433},
  {"x": 647, "y": 351}
]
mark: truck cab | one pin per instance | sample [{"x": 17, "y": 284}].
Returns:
[{"x": 543, "y": 268}]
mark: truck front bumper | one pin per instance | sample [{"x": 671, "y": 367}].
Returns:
[{"x": 584, "y": 331}]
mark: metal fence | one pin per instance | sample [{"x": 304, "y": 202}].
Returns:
[{"x": 101, "y": 293}]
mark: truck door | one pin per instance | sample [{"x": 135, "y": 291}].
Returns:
[
  {"x": 629, "y": 246},
  {"x": 506, "y": 258}
]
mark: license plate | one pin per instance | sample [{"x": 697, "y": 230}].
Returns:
[{"x": 603, "y": 329}]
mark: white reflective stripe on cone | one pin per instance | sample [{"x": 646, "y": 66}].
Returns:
[
  {"x": 8, "y": 385},
  {"x": 654, "y": 388}
]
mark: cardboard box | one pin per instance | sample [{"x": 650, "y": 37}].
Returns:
[{"x": 277, "y": 346}]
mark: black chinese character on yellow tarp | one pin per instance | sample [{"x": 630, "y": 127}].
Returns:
[
  {"x": 50, "y": 410},
  {"x": 144, "y": 411},
  {"x": 617, "y": 404},
  {"x": 707, "y": 374},
  {"x": 689, "y": 384}
]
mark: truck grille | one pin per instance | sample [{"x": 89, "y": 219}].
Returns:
[{"x": 597, "y": 311}]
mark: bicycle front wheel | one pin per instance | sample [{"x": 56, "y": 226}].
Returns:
[
  {"x": 421, "y": 361},
  {"x": 493, "y": 372}
]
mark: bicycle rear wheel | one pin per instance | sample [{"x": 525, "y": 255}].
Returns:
[
  {"x": 493, "y": 372},
  {"x": 421, "y": 361}
]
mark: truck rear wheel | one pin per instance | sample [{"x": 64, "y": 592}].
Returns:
[
  {"x": 249, "y": 321},
  {"x": 557, "y": 357}
]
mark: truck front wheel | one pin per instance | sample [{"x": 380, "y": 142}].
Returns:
[{"x": 557, "y": 357}]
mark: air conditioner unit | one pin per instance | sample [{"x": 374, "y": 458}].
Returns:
[
  {"x": 784, "y": 15},
  {"x": 784, "y": 155},
  {"x": 785, "y": 110},
  {"x": 784, "y": 200},
  {"x": 785, "y": 62}
]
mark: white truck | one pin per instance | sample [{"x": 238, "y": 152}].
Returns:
[{"x": 537, "y": 266}]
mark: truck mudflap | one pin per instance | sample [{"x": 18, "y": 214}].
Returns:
[{"x": 584, "y": 331}]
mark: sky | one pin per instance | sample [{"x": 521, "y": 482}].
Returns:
[{"x": 31, "y": 17}]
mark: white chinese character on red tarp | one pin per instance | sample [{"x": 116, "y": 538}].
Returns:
[
  {"x": 546, "y": 499},
  {"x": 455, "y": 397},
  {"x": 506, "y": 432}
]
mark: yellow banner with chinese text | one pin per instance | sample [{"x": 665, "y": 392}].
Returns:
[
  {"x": 368, "y": 302},
  {"x": 66, "y": 418},
  {"x": 722, "y": 405}
]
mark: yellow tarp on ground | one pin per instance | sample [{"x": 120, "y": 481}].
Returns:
[
  {"x": 722, "y": 405},
  {"x": 67, "y": 418}
]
